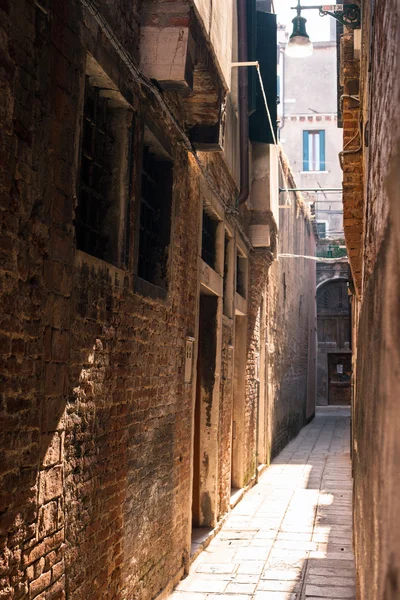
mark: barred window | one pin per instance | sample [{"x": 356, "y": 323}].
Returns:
[
  {"x": 155, "y": 213},
  {"x": 105, "y": 161},
  {"x": 241, "y": 274},
  {"x": 209, "y": 240}
]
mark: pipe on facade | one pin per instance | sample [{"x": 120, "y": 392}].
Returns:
[
  {"x": 243, "y": 105},
  {"x": 282, "y": 87}
]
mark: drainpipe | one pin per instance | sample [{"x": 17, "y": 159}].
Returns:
[
  {"x": 243, "y": 104},
  {"x": 282, "y": 51}
]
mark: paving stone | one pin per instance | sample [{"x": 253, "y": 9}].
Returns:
[
  {"x": 276, "y": 596},
  {"x": 216, "y": 568},
  {"x": 282, "y": 574},
  {"x": 295, "y": 524},
  {"x": 329, "y": 592},
  {"x": 332, "y": 581},
  {"x": 278, "y": 586},
  {"x": 240, "y": 588}
]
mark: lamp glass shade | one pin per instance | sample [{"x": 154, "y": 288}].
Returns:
[{"x": 299, "y": 44}]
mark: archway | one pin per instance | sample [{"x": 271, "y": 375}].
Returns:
[{"x": 334, "y": 343}]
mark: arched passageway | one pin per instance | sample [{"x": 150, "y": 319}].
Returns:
[{"x": 334, "y": 343}]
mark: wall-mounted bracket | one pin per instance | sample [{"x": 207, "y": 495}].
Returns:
[{"x": 347, "y": 14}]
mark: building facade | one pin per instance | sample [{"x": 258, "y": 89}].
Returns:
[
  {"x": 143, "y": 310},
  {"x": 371, "y": 164},
  {"x": 311, "y": 137},
  {"x": 309, "y": 131},
  {"x": 334, "y": 333}
]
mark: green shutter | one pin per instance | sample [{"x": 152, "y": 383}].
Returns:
[
  {"x": 306, "y": 166},
  {"x": 260, "y": 129},
  {"x": 252, "y": 53},
  {"x": 322, "y": 150}
]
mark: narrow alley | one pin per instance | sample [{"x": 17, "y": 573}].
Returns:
[
  {"x": 199, "y": 300},
  {"x": 290, "y": 536}
]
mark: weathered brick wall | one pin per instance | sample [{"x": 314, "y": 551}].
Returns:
[
  {"x": 225, "y": 417},
  {"x": 95, "y": 417},
  {"x": 260, "y": 263},
  {"x": 126, "y": 441},
  {"x": 96, "y": 420},
  {"x": 332, "y": 270},
  {"x": 37, "y": 153},
  {"x": 288, "y": 286},
  {"x": 352, "y": 159},
  {"x": 291, "y": 290},
  {"x": 376, "y": 450}
]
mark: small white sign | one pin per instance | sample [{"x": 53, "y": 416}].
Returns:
[
  {"x": 339, "y": 369},
  {"x": 189, "y": 359}
]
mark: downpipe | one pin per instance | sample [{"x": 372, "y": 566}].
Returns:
[{"x": 243, "y": 105}]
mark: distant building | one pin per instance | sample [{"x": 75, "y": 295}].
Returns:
[{"x": 312, "y": 141}]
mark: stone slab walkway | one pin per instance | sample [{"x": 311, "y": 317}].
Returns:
[{"x": 290, "y": 538}]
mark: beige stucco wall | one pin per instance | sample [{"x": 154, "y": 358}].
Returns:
[{"x": 217, "y": 20}]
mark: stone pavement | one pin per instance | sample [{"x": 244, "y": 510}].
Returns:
[{"x": 290, "y": 538}]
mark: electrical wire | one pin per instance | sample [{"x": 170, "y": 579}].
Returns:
[
  {"x": 358, "y": 133},
  {"x": 288, "y": 198},
  {"x": 314, "y": 258}
]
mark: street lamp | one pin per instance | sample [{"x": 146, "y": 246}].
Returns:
[{"x": 300, "y": 45}]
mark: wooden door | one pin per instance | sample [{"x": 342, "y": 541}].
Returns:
[{"x": 339, "y": 373}]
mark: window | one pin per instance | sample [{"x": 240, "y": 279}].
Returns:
[
  {"x": 313, "y": 150},
  {"x": 209, "y": 240},
  {"x": 155, "y": 212},
  {"x": 228, "y": 274},
  {"x": 322, "y": 227},
  {"x": 241, "y": 274},
  {"x": 101, "y": 212}
]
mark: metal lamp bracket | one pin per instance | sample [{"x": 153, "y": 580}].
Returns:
[{"x": 347, "y": 14}]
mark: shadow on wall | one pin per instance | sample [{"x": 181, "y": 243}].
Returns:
[{"x": 85, "y": 501}]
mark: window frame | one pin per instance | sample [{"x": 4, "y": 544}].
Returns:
[
  {"x": 314, "y": 141},
  {"x": 119, "y": 118},
  {"x": 152, "y": 136}
]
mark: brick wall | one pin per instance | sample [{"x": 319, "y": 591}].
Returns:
[
  {"x": 291, "y": 324},
  {"x": 376, "y": 449},
  {"x": 351, "y": 158},
  {"x": 225, "y": 416},
  {"x": 95, "y": 415},
  {"x": 96, "y": 420},
  {"x": 288, "y": 288}
]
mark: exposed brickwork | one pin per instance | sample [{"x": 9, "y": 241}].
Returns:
[
  {"x": 376, "y": 449},
  {"x": 352, "y": 159},
  {"x": 225, "y": 417},
  {"x": 96, "y": 420},
  {"x": 290, "y": 291},
  {"x": 333, "y": 270}
]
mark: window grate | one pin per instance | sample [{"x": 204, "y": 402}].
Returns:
[
  {"x": 95, "y": 175},
  {"x": 334, "y": 298},
  {"x": 241, "y": 275},
  {"x": 154, "y": 218},
  {"x": 209, "y": 240}
]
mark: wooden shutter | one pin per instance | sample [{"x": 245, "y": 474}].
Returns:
[
  {"x": 260, "y": 129},
  {"x": 322, "y": 150},
  {"x": 306, "y": 142},
  {"x": 252, "y": 54}
]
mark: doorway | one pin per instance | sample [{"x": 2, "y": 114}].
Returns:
[
  {"x": 205, "y": 443},
  {"x": 339, "y": 378},
  {"x": 238, "y": 409}
]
